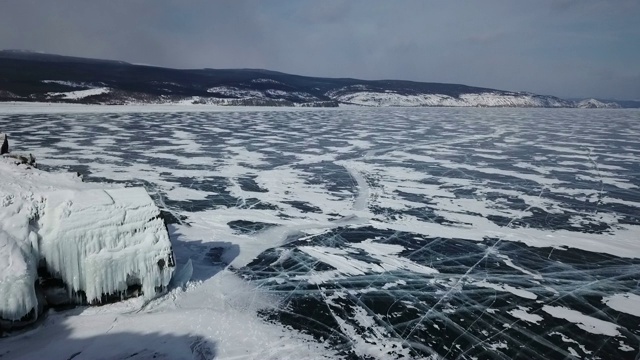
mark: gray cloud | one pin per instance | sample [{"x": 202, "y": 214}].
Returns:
[{"x": 562, "y": 47}]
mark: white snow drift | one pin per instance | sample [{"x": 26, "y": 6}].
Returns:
[{"x": 96, "y": 240}]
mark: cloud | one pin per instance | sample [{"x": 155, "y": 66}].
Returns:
[{"x": 552, "y": 47}]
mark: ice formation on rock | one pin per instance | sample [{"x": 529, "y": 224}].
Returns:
[
  {"x": 98, "y": 241},
  {"x": 17, "y": 277}
]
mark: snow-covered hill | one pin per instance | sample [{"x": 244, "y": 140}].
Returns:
[
  {"x": 361, "y": 95},
  {"x": 595, "y": 104}
]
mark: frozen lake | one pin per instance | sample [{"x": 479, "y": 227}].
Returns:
[{"x": 364, "y": 233}]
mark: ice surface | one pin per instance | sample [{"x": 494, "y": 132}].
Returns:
[
  {"x": 98, "y": 241},
  {"x": 453, "y": 233}
]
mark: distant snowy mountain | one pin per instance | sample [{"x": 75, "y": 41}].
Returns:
[{"x": 37, "y": 77}]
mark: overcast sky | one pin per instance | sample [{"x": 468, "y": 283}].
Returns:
[{"x": 581, "y": 48}]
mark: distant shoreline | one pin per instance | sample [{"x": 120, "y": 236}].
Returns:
[{"x": 22, "y": 107}]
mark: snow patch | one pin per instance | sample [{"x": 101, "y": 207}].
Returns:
[
  {"x": 506, "y": 288},
  {"x": 595, "y": 104},
  {"x": 68, "y": 83},
  {"x": 79, "y": 94},
  {"x": 627, "y": 303},
  {"x": 265, "y": 81},
  {"x": 345, "y": 264},
  {"x": 234, "y": 92},
  {"x": 522, "y": 314},
  {"x": 584, "y": 322}
]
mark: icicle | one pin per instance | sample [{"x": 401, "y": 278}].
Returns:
[{"x": 97, "y": 241}]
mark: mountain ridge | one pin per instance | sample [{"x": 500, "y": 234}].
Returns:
[{"x": 40, "y": 77}]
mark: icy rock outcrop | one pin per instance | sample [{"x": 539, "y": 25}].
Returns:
[
  {"x": 97, "y": 240},
  {"x": 102, "y": 241}
]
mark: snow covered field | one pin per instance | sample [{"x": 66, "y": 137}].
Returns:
[{"x": 455, "y": 233}]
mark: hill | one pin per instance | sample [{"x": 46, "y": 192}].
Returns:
[{"x": 37, "y": 77}]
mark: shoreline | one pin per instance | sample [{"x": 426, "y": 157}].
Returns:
[{"x": 26, "y": 107}]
